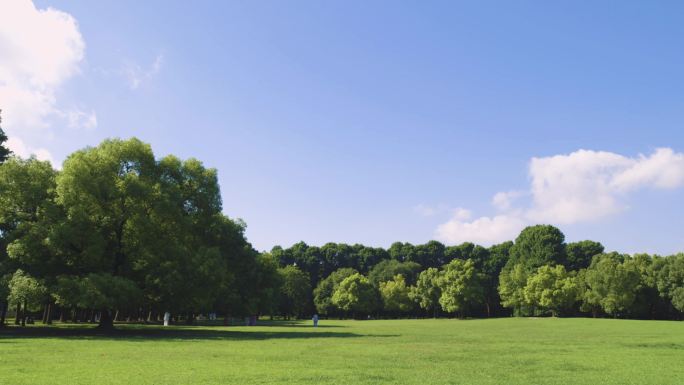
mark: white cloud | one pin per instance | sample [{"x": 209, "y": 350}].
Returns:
[
  {"x": 582, "y": 186},
  {"x": 39, "y": 50},
  {"x": 504, "y": 200},
  {"x": 663, "y": 169},
  {"x": 18, "y": 147},
  {"x": 136, "y": 75},
  {"x": 483, "y": 230}
]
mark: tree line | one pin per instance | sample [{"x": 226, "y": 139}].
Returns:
[
  {"x": 118, "y": 234},
  {"x": 538, "y": 274}
]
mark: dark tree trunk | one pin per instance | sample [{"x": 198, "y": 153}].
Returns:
[
  {"x": 106, "y": 321},
  {"x": 3, "y": 314},
  {"x": 49, "y": 313},
  {"x": 23, "y": 314},
  {"x": 17, "y": 317},
  {"x": 44, "y": 319}
]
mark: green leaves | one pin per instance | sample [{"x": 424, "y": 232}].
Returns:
[
  {"x": 395, "y": 295},
  {"x": 26, "y": 289},
  {"x": 324, "y": 291},
  {"x": 552, "y": 289},
  {"x": 461, "y": 286},
  {"x": 611, "y": 283},
  {"x": 356, "y": 294},
  {"x": 427, "y": 290},
  {"x": 295, "y": 289},
  {"x": 539, "y": 245}
]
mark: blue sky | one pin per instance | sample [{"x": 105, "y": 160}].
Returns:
[{"x": 374, "y": 122}]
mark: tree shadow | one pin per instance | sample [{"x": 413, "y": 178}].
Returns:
[
  {"x": 279, "y": 323},
  {"x": 173, "y": 333}
]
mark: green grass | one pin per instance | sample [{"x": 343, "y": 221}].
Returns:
[{"x": 497, "y": 351}]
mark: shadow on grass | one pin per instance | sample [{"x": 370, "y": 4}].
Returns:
[
  {"x": 173, "y": 333},
  {"x": 278, "y": 323}
]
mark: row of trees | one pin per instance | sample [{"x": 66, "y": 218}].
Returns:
[
  {"x": 538, "y": 274},
  {"x": 118, "y": 233}
]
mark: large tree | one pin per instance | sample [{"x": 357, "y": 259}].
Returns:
[
  {"x": 461, "y": 286},
  {"x": 610, "y": 284},
  {"x": 395, "y": 295},
  {"x": 326, "y": 288},
  {"x": 427, "y": 291},
  {"x": 109, "y": 194},
  {"x": 537, "y": 246},
  {"x": 512, "y": 282},
  {"x": 551, "y": 289},
  {"x": 28, "y": 217},
  {"x": 294, "y": 291},
  {"x": 579, "y": 254},
  {"x": 670, "y": 280},
  {"x": 355, "y": 294}
]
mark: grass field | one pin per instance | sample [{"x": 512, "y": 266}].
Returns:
[{"x": 497, "y": 351}]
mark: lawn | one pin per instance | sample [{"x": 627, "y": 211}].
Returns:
[{"x": 496, "y": 351}]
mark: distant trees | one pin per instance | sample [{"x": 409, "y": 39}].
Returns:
[
  {"x": 294, "y": 291},
  {"x": 610, "y": 284},
  {"x": 356, "y": 295},
  {"x": 395, "y": 295},
  {"x": 427, "y": 291},
  {"x": 460, "y": 285},
  {"x": 670, "y": 281},
  {"x": 326, "y": 288},
  {"x": 579, "y": 254},
  {"x": 538, "y": 274},
  {"x": 387, "y": 269},
  {"x": 551, "y": 289}
]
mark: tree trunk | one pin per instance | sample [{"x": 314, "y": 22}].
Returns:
[
  {"x": 17, "y": 316},
  {"x": 23, "y": 315},
  {"x": 106, "y": 321},
  {"x": 44, "y": 319},
  {"x": 49, "y": 314},
  {"x": 3, "y": 314}
]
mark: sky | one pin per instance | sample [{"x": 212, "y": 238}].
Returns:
[{"x": 375, "y": 121}]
